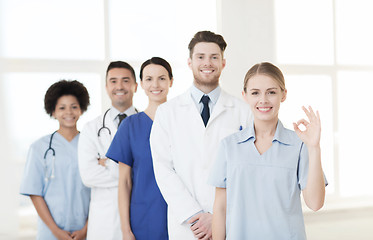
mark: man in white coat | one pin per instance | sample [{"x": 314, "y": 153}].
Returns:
[
  {"x": 185, "y": 137},
  {"x": 96, "y": 172}
]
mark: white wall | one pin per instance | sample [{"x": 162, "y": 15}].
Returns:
[{"x": 250, "y": 36}]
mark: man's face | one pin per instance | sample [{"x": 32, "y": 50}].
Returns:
[
  {"x": 120, "y": 86},
  {"x": 206, "y": 63}
]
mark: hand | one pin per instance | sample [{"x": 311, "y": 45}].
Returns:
[
  {"x": 102, "y": 161},
  {"x": 80, "y": 234},
  {"x": 62, "y": 235},
  {"x": 128, "y": 236},
  {"x": 202, "y": 228},
  {"x": 310, "y": 136}
]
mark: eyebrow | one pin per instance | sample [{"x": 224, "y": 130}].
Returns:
[
  {"x": 213, "y": 54},
  {"x": 112, "y": 78},
  {"x": 255, "y": 89},
  {"x": 163, "y": 75}
]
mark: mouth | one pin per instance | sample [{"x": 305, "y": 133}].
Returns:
[
  {"x": 69, "y": 119},
  {"x": 119, "y": 93},
  {"x": 156, "y": 92},
  {"x": 264, "y": 109},
  {"x": 207, "y": 71}
]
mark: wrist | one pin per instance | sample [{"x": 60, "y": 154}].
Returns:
[{"x": 314, "y": 148}]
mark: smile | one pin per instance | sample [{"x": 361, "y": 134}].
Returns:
[
  {"x": 207, "y": 71},
  {"x": 156, "y": 92},
  {"x": 264, "y": 109}
]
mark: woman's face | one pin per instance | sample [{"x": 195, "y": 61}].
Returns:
[
  {"x": 264, "y": 96},
  {"x": 67, "y": 111},
  {"x": 156, "y": 82}
]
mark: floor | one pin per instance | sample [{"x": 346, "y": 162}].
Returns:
[{"x": 350, "y": 224}]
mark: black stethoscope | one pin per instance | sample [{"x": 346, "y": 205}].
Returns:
[
  {"x": 103, "y": 124},
  {"x": 46, "y": 178}
]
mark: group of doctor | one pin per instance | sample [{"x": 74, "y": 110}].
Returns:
[{"x": 150, "y": 175}]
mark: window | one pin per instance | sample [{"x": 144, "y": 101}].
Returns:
[
  {"x": 76, "y": 40},
  {"x": 325, "y": 50}
]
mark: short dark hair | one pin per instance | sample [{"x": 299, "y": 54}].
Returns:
[
  {"x": 64, "y": 88},
  {"x": 207, "y": 36},
  {"x": 121, "y": 64},
  {"x": 157, "y": 61}
]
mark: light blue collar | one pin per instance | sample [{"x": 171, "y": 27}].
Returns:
[
  {"x": 281, "y": 135},
  {"x": 197, "y": 94}
]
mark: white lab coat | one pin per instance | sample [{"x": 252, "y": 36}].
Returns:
[
  {"x": 103, "y": 218},
  {"x": 183, "y": 152}
]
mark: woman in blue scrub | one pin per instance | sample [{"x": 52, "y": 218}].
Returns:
[
  {"x": 51, "y": 176},
  {"x": 142, "y": 209},
  {"x": 261, "y": 171}
]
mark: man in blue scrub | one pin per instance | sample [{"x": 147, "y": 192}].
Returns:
[{"x": 185, "y": 135}]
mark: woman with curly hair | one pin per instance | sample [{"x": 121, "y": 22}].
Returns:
[{"x": 51, "y": 176}]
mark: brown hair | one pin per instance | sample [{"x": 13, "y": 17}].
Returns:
[
  {"x": 265, "y": 68},
  {"x": 207, "y": 36}
]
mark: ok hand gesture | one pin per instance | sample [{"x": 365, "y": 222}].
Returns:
[{"x": 311, "y": 135}]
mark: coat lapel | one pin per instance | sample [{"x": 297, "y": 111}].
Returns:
[
  {"x": 221, "y": 106},
  {"x": 187, "y": 103}
]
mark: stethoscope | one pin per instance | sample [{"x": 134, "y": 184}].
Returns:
[
  {"x": 103, "y": 124},
  {"x": 46, "y": 178}
]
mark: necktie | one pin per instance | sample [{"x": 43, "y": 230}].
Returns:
[
  {"x": 206, "y": 110},
  {"x": 121, "y": 117}
]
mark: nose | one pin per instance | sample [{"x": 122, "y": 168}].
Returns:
[
  {"x": 155, "y": 83},
  {"x": 207, "y": 61},
  {"x": 119, "y": 85},
  {"x": 69, "y": 110},
  {"x": 263, "y": 98}
]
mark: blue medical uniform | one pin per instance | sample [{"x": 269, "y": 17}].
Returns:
[
  {"x": 148, "y": 209},
  {"x": 263, "y": 190},
  {"x": 65, "y": 195}
]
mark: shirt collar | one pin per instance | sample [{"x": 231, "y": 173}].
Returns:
[
  {"x": 197, "y": 94},
  {"x": 281, "y": 135},
  {"x": 114, "y": 112}
]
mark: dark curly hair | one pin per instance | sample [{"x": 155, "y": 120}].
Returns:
[{"x": 63, "y": 88}]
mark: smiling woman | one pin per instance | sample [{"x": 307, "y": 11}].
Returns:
[
  {"x": 51, "y": 178},
  {"x": 143, "y": 211}
]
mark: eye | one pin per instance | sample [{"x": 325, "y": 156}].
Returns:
[
  {"x": 254, "y": 93},
  {"x": 272, "y": 92},
  {"x": 163, "y": 78},
  {"x": 148, "y": 79},
  {"x": 200, "y": 57},
  {"x": 214, "y": 57}
]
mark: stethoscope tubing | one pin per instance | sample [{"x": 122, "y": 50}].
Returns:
[{"x": 53, "y": 159}]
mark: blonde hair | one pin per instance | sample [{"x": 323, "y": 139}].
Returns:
[{"x": 265, "y": 68}]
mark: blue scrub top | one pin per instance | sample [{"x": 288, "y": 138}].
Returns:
[
  {"x": 65, "y": 195},
  {"x": 263, "y": 190},
  {"x": 148, "y": 210}
]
